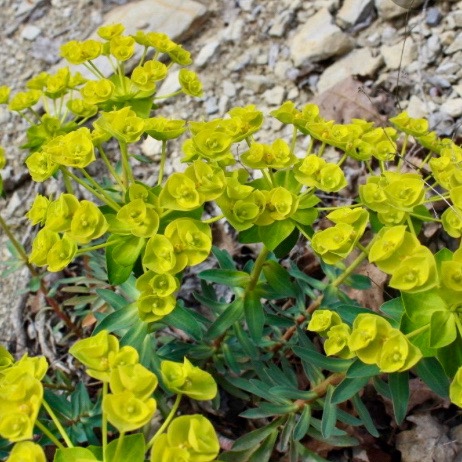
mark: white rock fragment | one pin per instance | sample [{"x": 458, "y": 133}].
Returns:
[
  {"x": 319, "y": 38},
  {"x": 206, "y": 53},
  {"x": 353, "y": 12},
  {"x": 256, "y": 83},
  {"x": 275, "y": 96},
  {"x": 452, "y": 107},
  {"x": 358, "y": 62},
  {"x": 395, "y": 56},
  {"x": 30, "y": 32},
  {"x": 151, "y": 147},
  {"x": 229, "y": 89},
  {"x": 388, "y": 9},
  {"x": 417, "y": 108},
  {"x": 456, "y": 45}
]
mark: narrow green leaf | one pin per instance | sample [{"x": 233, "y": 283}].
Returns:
[
  {"x": 321, "y": 361},
  {"x": 114, "y": 300},
  {"x": 359, "y": 369},
  {"x": 279, "y": 279},
  {"x": 263, "y": 453},
  {"x": 338, "y": 441},
  {"x": 226, "y": 319},
  {"x": 227, "y": 277},
  {"x": 358, "y": 281},
  {"x": 364, "y": 415},
  {"x": 399, "y": 388},
  {"x": 432, "y": 373},
  {"x": 286, "y": 434},
  {"x": 225, "y": 260},
  {"x": 254, "y": 438},
  {"x": 182, "y": 318},
  {"x": 303, "y": 424},
  {"x": 135, "y": 335},
  {"x": 254, "y": 316},
  {"x": 443, "y": 330},
  {"x": 73, "y": 455},
  {"x": 394, "y": 310},
  {"x": 382, "y": 387},
  {"x": 347, "y": 388},
  {"x": 121, "y": 319},
  {"x": 329, "y": 414},
  {"x": 292, "y": 393}
]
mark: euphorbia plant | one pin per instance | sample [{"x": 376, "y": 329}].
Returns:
[{"x": 252, "y": 339}]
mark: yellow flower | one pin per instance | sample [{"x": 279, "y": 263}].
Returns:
[
  {"x": 26, "y": 451},
  {"x": 38, "y": 211}
]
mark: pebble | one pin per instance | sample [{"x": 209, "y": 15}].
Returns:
[
  {"x": 211, "y": 105},
  {"x": 395, "y": 57},
  {"x": 417, "y": 108},
  {"x": 353, "y": 12},
  {"x": 229, "y": 89},
  {"x": 433, "y": 17},
  {"x": 456, "y": 45},
  {"x": 206, "y": 53},
  {"x": 275, "y": 96},
  {"x": 30, "y": 32},
  {"x": 452, "y": 107}
]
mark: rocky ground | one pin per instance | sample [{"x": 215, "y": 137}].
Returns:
[{"x": 356, "y": 58}]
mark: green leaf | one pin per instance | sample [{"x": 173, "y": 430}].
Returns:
[
  {"x": 184, "y": 319},
  {"x": 283, "y": 249},
  {"x": 338, "y": 441},
  {"x": 450, "y": 356},
  {"x": 382, "y": 387},
  {"x": 121, "y": 319},
  {"x": 135, "y": 335},
  {"x": 305, "y": 217},
  {"x": 321, "y": 361},
  {"x": 114, "y": 300},
  {"x": 131, "y": 448},
  {"x": 230, "y": 278},
  {"x": 116, "y": 273},
  {"x": 292, "y": 393},
  {"x": 226, "y": 319},
  {"x": 347, "y": 388},
  {"x": 254, "y": 316},
  {"x": 126, "y": 250},
  {"x": 279, "y": 279},
  {"x": 225, "y": 260},
  {"x": 359, "y": 369},
  {"x": 286, "y": 434},
  {"x": 73, "y": 455},
  {"x": 329, "y": 414},
  {"x": 364, "y": 415},
  {"x": 254, "y": 438},
  {"x": 358, "y": 281},
  {"x": 268, "y": 410},
  {"x": 349, "y": 312},
  {"x": 399, "y": 388},
  {"x": 394, "y": 309},
  {"x": 263, "y": 453},
  {"x": 303, "y": 424},
  {"x": 443, "y": 329},
  {"x": 273, "y": 234},
  {"x": 433, "y": 375}
]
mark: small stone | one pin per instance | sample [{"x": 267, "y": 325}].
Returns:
[
  {"x": 223, "y": 104},
  {"x": 280, "y": 23},
  {"x": 318, "y": 39},
  {"x": 452, "y": 107},
  {"x": 171, "y": 84},
  {"x": 395, "y": 57},
  {"x": 358, "y": 62},
  {"x": 275, "y": 96},
  {"x": 211, "y": 105},
  {"x": 457, "y": 18},
  {"x": 417, "y": 108},
  {"x": 456, "y": 45},
  {"x": 456, "y": 88},
  {"x": 229, "y": 89},
  {"x": 433, "y": 17},
  {"x": 30, "y": 32},
  {"x": 206, "y": 53},
  {"x": 431, "y": 49},
  {"x": 151, "y": 147},
  {"x": 387, "y": 9},
  {"x": 246, "y": 5},
  {"x": 353, "y": 12},
  {"x": 256, "y": 83}
]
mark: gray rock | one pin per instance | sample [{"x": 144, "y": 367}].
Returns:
[
  {"x": 275, "y": 96},
  {"x": 456, "y": 45},
  {"x": 433, "y": 17},
  {"x": 280, "y": 23},
  {"x": 30, "y": 32},
  {"x": 246, "y": 5},
  {"x": 358, "y": 62},
  {"x": 206, "y": 53},
  {"x": 319, "y": 38},
  {"x": 417, "y": 108},
  {"x": 452, "y": 107},
  {"x": 256, "y": 83},
  {"x": 387, "y": 9},
  {"x": 229, "y": 89},
  {"x": 211, "y": 105},
  {"x": 353, "y": 12},
  {"x": 431, "y": 49},
  {"x": 395, "y": 56}
]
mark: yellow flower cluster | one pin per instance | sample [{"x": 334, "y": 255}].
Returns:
[
  {"x": 371, "y": 338},
  {"x": 21, "y": 395}
]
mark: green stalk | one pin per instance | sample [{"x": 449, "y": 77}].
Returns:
[
  {"x": 98, "y": 187},
  {"x": 257, "y": 269},
  {"x": 58, "y": 424},
  {"x": 354, "y": 264},
  {"x": 418, "y": 331},
  {"x": 17, "y": 245},
  {"x": 104, "y": 423},
  {"x": 97, "y": 246},
  {"x": 403, "y": 152},
  {"x": 119, "y": 445},
  {"x": 169, "y": 95},
  {"x": 111, "y": 169},
  {"x": 294, "y": 140},
  {"x": 82, "y": 183},
  {"x": 167, "y": 421},
  {"x": 50, "y": 435},
  {"x": 163, "y": 159},
  {"x": 93, "y": 69},
  {"x": 128, "y": 174}
]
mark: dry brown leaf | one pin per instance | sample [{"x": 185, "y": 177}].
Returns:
[{"x": 347, "y": 100}]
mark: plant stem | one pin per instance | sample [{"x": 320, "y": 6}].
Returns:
[
  {"x": 97, "y": 247},
  {"x": 213, "y": 219},
  {"x": 418, "y": 331},
  {"x": 293, "y": 142},
  {"x": 163, "y": 158},
  {"x": 119, "y": 445},
  {"x": 256, "y": 270},
  {"x": 58, "y": 424},
  {"x": 104, "y": 423},
  {"x": 128, "y": 174},
  {"x": 17, "y": 245},
  {"x": 169, "y": 95},
  {"x": 321, "y": 389},
  {"x": 110, "y": 167},
  {"x": 167, "y": 421},
  {"x": 98, "y": 188},
  {"x": 50, "y": 435}
]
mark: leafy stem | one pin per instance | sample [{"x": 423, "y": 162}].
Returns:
[{"x": 58, "y": 424}]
